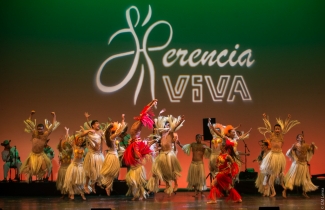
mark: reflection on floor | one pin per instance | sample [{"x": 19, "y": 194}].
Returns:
[{"x": 160, "y": 201}]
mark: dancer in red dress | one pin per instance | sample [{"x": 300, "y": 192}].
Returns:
[{"x": 228, "y": 169}]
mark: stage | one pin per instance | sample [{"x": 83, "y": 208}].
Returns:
[
  {"x": 161, "y": 201},
  {"x": 43, "y": 195}
]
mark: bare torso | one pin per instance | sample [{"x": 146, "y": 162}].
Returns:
[
  {"x": 301, "y": 151},
  {"x": 277, "y": 143},
  {"x": 39, "y": 141},
  {"x": 167, "y": 140},
  {"x": 198, "y": 151}
]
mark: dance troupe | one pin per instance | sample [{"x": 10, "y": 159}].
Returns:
[{"x": 83, "y": 165}]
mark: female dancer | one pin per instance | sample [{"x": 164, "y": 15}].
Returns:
[
  {"x": 75, "y": 177},
  {"x": 228, "y": 169},
  {"x": 111, "y": 165},
  {"x": 136, "y": 153},
  {"x": 266, "y": 148},
  {"x": 65, "y": 156},
  {"x": 274, "y": 163}
]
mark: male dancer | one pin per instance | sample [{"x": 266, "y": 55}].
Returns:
[
  {"x": 196, "y": 175},
  {"x": 298, "y": 175},
  {"x": 10, "y": 156},
  {"x": 37, "y": 162},
  {"x": 166, "y": 165},
  {"x": 274, "y": 163}
]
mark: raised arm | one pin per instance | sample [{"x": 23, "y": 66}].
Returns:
[
  {"x": 87, "y": 118},
  {"x": 31, "y": 115},
  {"x": 180, "y": 122},
  {"x": 214, "y": 129},
  {"x": 54, "y": 118}
]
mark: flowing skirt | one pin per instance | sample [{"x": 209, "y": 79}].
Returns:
[
  {"x": 110, "y": 169},
  {"x": 93, "y": 165},
  {"x": 74, "y": 179},
  {"x": 136, "y": 181},
  {"x": 273, "y": 164},
  {"x": 196, "y": 176},
  {"x": 61, "y": 177},
  {"x": 166, "y": 167},
  {"x": 298, "y": 175},
  {"x": 33, "y": 165}
]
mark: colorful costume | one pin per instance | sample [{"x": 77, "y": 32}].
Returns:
[
  {"x": 166, "y": 166},
  {"x": 111, "y": 165},
  {"x": 227, "y": 171},
  {"x": 75, "y": 176},
  {"x": 273, "y": 165},
  {"x": 136, "y": 153},
  {"x": 65, "y": 156},
  {"x": 33, "y": 163},
  {"x": 298, "y": 174}
]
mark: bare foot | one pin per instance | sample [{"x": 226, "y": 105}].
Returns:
[
  {"x": 305, "y": 195},
  {"x": 271, "y": 196},
  {"x": 141, "y": 198},
  {"x": 238, "y": 201},
  {"x": 86, "y": 189},
  {"x": 108, "y": 191},
  {"x": 284, "y": 193},
  {"x": 71, "y": 197},
  {"x": 83, "y": 197},
  {"x": 211, "y": 202},
  {"x": 93, "y": 188},
  {"x": 133, "y": 199},
  {"x": 62, "y": 197},
  {"x": 175, "y": 188}
]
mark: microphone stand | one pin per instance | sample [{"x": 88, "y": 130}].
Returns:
[{"x": 246, "y": 150}]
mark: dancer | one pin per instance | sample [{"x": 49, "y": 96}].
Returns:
[
  {"x": 111, "y": 165},
  {"x": 137, "y": 152},
  {"x": 298, "y": 175},
  {"x": 166, "y": 166},
  {"x": 11, "y": 157},
  {"x": 274, "y": 163},
  {"x": 37, "y": 163},
  {"x": 265, "y": 149},
  {"x": 75, "y": 176},
  {"x": 94, "y": 158},
  {"x": 50, "y": 154},
  {"x": 230, "y": 133},
  {"x": 65, "y": 156},
  {"x": 227, "y": 171},
  {"x": 196, "y": 175}
]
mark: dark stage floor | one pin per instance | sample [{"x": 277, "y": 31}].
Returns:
[{"x": 182, "y": 200}]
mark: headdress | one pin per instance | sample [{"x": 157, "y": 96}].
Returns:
[{"x": 285, "y": 126}]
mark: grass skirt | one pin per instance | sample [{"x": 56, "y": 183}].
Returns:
[
  {"x": 166, "y": 167},
  {"x": 33, "y": 165},
  {"x": 74, "y": 179},
  {"x": 298, "y": 175},
  {"x": 61, "y": 177},
  {"x": 93, "y": 165},
  {"x": 110, "y": 169},
  {"x": 196, "y": 176},
  {"x": 136, "y": 180}
]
